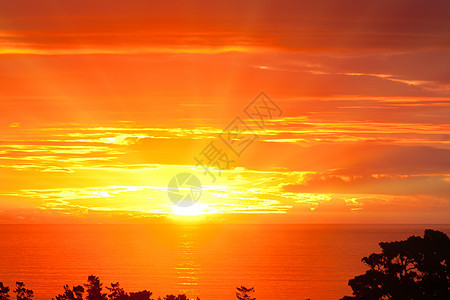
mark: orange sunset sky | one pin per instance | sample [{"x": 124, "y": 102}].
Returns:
[{"x": 103, "y": 102}]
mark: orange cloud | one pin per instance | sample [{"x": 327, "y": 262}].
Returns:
[{"x": 102, "y": 103}]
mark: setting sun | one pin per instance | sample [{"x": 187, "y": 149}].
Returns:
[{"x": 194, "y": 210}]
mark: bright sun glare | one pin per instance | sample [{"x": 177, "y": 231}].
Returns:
[{"x": 193, "y": 210}]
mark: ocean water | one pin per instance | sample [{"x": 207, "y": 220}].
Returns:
[{"x": 208, "y": 261}]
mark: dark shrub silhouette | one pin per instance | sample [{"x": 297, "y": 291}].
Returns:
[
  {"x": 23, "y": 293},
  {"x": 116, "y": 292},
  {"x": 244, "y": 293},
  {"x": 173, "y": 297},
  {"x": 78, "y": 292},
  {"x": 75, "y": 294},
  {"x": 4, "y": 292},
  {"x": 94, "y": 289},
  {"x": 417, "y": 268},
  {"x": 142, "y": 295}
]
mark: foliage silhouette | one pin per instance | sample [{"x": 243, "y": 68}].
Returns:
[
  {"x": 244, "y": 293},
  {"x": 75, "y": 294},
  {"x": 94, "y": 289},
  {"x": 173, "y": 297},
  {"x": 23, "y": 293},
  {"x": 116, "y": 292},
  {"x": 142, "y": 295},
  {"x": 94, "y": 292},
  {"x": 416, "y": 268},
  {"x": 4, "y": 292}
]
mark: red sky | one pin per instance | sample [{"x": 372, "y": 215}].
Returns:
[{"x": 103, "y": 102}]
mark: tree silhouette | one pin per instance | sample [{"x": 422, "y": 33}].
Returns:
[
  {"x": 417, "y": 268},
  {"x": 116, "y": 292},
  {"x": 94, "y": 289},
  {"x": 173, "y": 297},
  {"x": 78, "y": 292},
  {"x": 75, "y": 294},
  {"x": 142, "y": 295},
  {"x": 4, "y": 292},
  {"x": 23, "y": 293},
  {"x": 244, "y": 293}
]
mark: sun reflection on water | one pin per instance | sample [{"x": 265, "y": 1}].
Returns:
[{"x": 187, "y": 267}]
